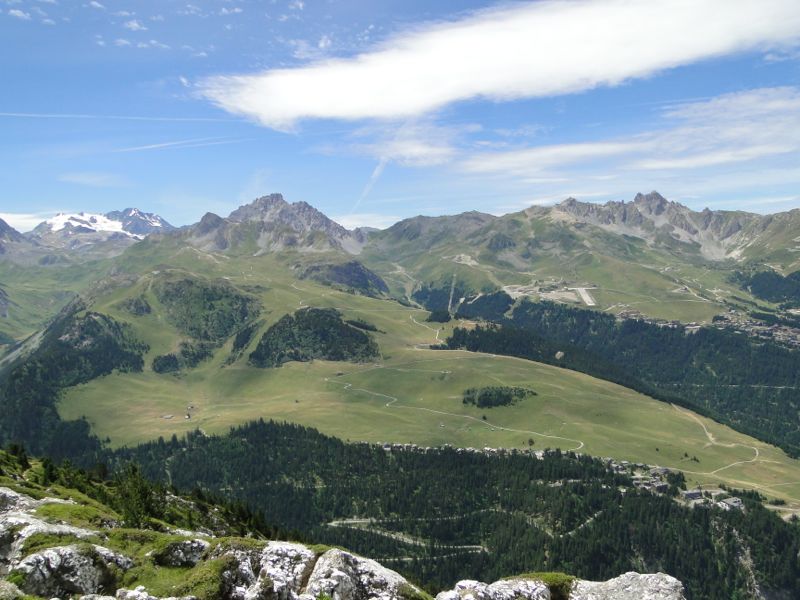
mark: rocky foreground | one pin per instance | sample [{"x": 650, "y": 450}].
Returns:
[{"x": 46, "y": 556}]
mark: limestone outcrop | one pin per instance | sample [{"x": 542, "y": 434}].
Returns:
[
  {"x": 630, "y": 586},
  {"x": 91, "y": 566}
]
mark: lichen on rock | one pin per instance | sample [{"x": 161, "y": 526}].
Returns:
[{"x": 69, "y": 570}]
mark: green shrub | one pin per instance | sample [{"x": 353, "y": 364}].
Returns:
[
  {"x": 205, "y": 581},
  {"x": 137, "y": 306},
  {"x": 489, "y": 397},
  {"x": 166, "y": 363},
  {"x": 409, "y": 592}
]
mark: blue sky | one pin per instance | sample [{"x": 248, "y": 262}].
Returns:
[{"x": 376, "y": 110}]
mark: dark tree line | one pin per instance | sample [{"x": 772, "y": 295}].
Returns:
[
  {"x": 313, "y": 333},
  {"x": 750, "y": 384},
  {"x": 76, "y": 348},
  {"x": 496, "y": 395},
  {"x": 772, "y": 286},
  {"x": 563, "y": 512}
]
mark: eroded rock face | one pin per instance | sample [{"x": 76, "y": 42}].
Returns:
[
  {"x": 508, "y": 589},
  {"x": 278, "y": 571},
  {"x": 630, "y": 586},
  {"x": 288, "y": 566},
  {"x": 18, "y": 523},
  {"x": 344, "y": 576},
  {"x": 68, "y": 570},
  {"x": 183, "y": 554}
]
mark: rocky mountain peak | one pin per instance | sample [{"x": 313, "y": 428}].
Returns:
[
  {"x": 209, "y": 222},
  {"x": 130, "y": 222},
  {"x": 300, "y": 216},
  {"x": 274, "y": 224},
  {"x": 259, "y": 209},
  {"x": 654, "y": 202},
  {"x": 717, "y": 234},
  {"x": 137, "y": 222},
  {"x": 8, "y": 233}
]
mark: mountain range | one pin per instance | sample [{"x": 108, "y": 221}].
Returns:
[
  {"x": 71, "y": 237},
  {"x": 277, "y": 225},
  {"x": 649, "y": 256},
  {"x": 659, "y": 338}
]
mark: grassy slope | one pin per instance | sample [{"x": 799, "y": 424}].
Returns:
[
  {"x": 37, "y": 293},
  {"x": 140, "y": 545},
  {"x": 625, "y": 271},
  {"x": 421, "y": 387}
]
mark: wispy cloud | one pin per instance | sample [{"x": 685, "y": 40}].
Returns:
[
  {"x": 508, "y": 53},
  {"x": 377, "y": 220},
  {"x": 421, "y": 143},
  {"x": 134, "y": 25},
  {"x": 153, "y": 44},
  {"x": 373, "y": 179},
  {"x": 191, "y": 143},
  {"x": 24, "y": 221},
  {"x": 733, "y": 128},
  {"x": 94, "y": 179},
  {"x": 19, "y": 14},
  {"x": 26, "y": 115}
]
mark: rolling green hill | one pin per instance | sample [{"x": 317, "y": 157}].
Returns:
[
  {"x": 209, "y": 305},
  {"x": 409, "y": 394}
]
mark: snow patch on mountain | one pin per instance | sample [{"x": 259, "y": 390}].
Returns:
[{"x": 87, "y": 221}]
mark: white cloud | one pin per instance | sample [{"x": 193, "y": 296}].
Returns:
[
  {"x": 543, "y": 158},
  {"x": 24, "y": 221},
  {"x": 230, "y": 11},
  {"x": 157, "y": 18},
  {"x": 415, "y": 143},
  {"x": 324, "y": 42},
  {"x": 376, "y": 220},
  {"x": 93, "y": 179},
  {"x": 152, "y": 44},
  {"x": 304, "y": 50},
  {"x": 48, "y": 22},
  {"x": 97, "y": 5},
  {"x": 19, "y": 14},
  {"x": 523, "y": 51},
  {"x": 134, "y": 25},
  {"x": 121, "y": 42},
  {"x": 191, "y": 9},
  {"x": 297, "y": 5},
  {"x": 732, "y": 128}
]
